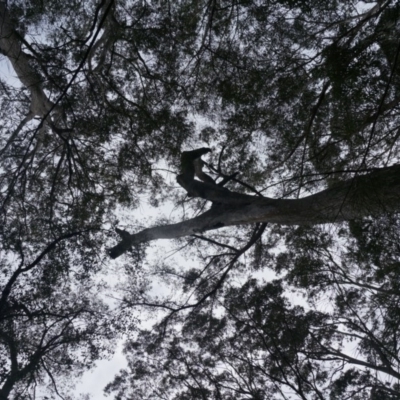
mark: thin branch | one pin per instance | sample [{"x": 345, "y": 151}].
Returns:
[{"x": 215, "y": 242}]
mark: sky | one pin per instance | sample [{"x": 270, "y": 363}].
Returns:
[{"x": 94, "y": 381}]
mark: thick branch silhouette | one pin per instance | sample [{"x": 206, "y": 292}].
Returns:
[{"x": 369, "y": 194}]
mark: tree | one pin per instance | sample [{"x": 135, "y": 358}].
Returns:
[
  {"x": 373, "y": 193},
  {"x": 299, "y": 102},
  {"x": 62, "y": 173},
  {"x": 230, "y": 340}
]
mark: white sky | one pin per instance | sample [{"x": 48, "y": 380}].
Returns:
[{"x": 94, "y": 381}]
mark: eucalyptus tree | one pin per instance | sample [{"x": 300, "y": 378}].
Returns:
[
  {"x": 84, "y": 113},
  {"x": 299, "y": 101},
  {"x": 304, "y": 99}
]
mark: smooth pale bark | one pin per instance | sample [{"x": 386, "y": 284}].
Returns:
[
  {"x": 370, "y": 194},
  {"x": 10, "y": 45},
  {"x": 40, "y": 105}
]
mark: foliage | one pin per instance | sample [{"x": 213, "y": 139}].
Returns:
[{"x": 296, "y": 96}]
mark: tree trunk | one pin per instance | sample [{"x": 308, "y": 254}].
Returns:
[
  {"x": 10, "y": 46},
  {"x": 370, "y": 194}
]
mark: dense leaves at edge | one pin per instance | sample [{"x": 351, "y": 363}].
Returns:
[{"x": 101, "y": 98}]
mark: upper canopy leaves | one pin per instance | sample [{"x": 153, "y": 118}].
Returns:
[{"x": 105, "y": 95}]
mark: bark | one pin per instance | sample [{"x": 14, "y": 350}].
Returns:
[
  {"x": 370, "y": 194},
  {"x": 107, "y": 39},
  {"x": 10, "y": 45}
]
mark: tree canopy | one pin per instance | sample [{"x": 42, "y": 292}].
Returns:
[{"x": 269, "y": 131}]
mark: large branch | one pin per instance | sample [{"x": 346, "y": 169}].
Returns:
[
  {"x": 369, "y": 194},
  {"x": 10, "y": 46}
]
